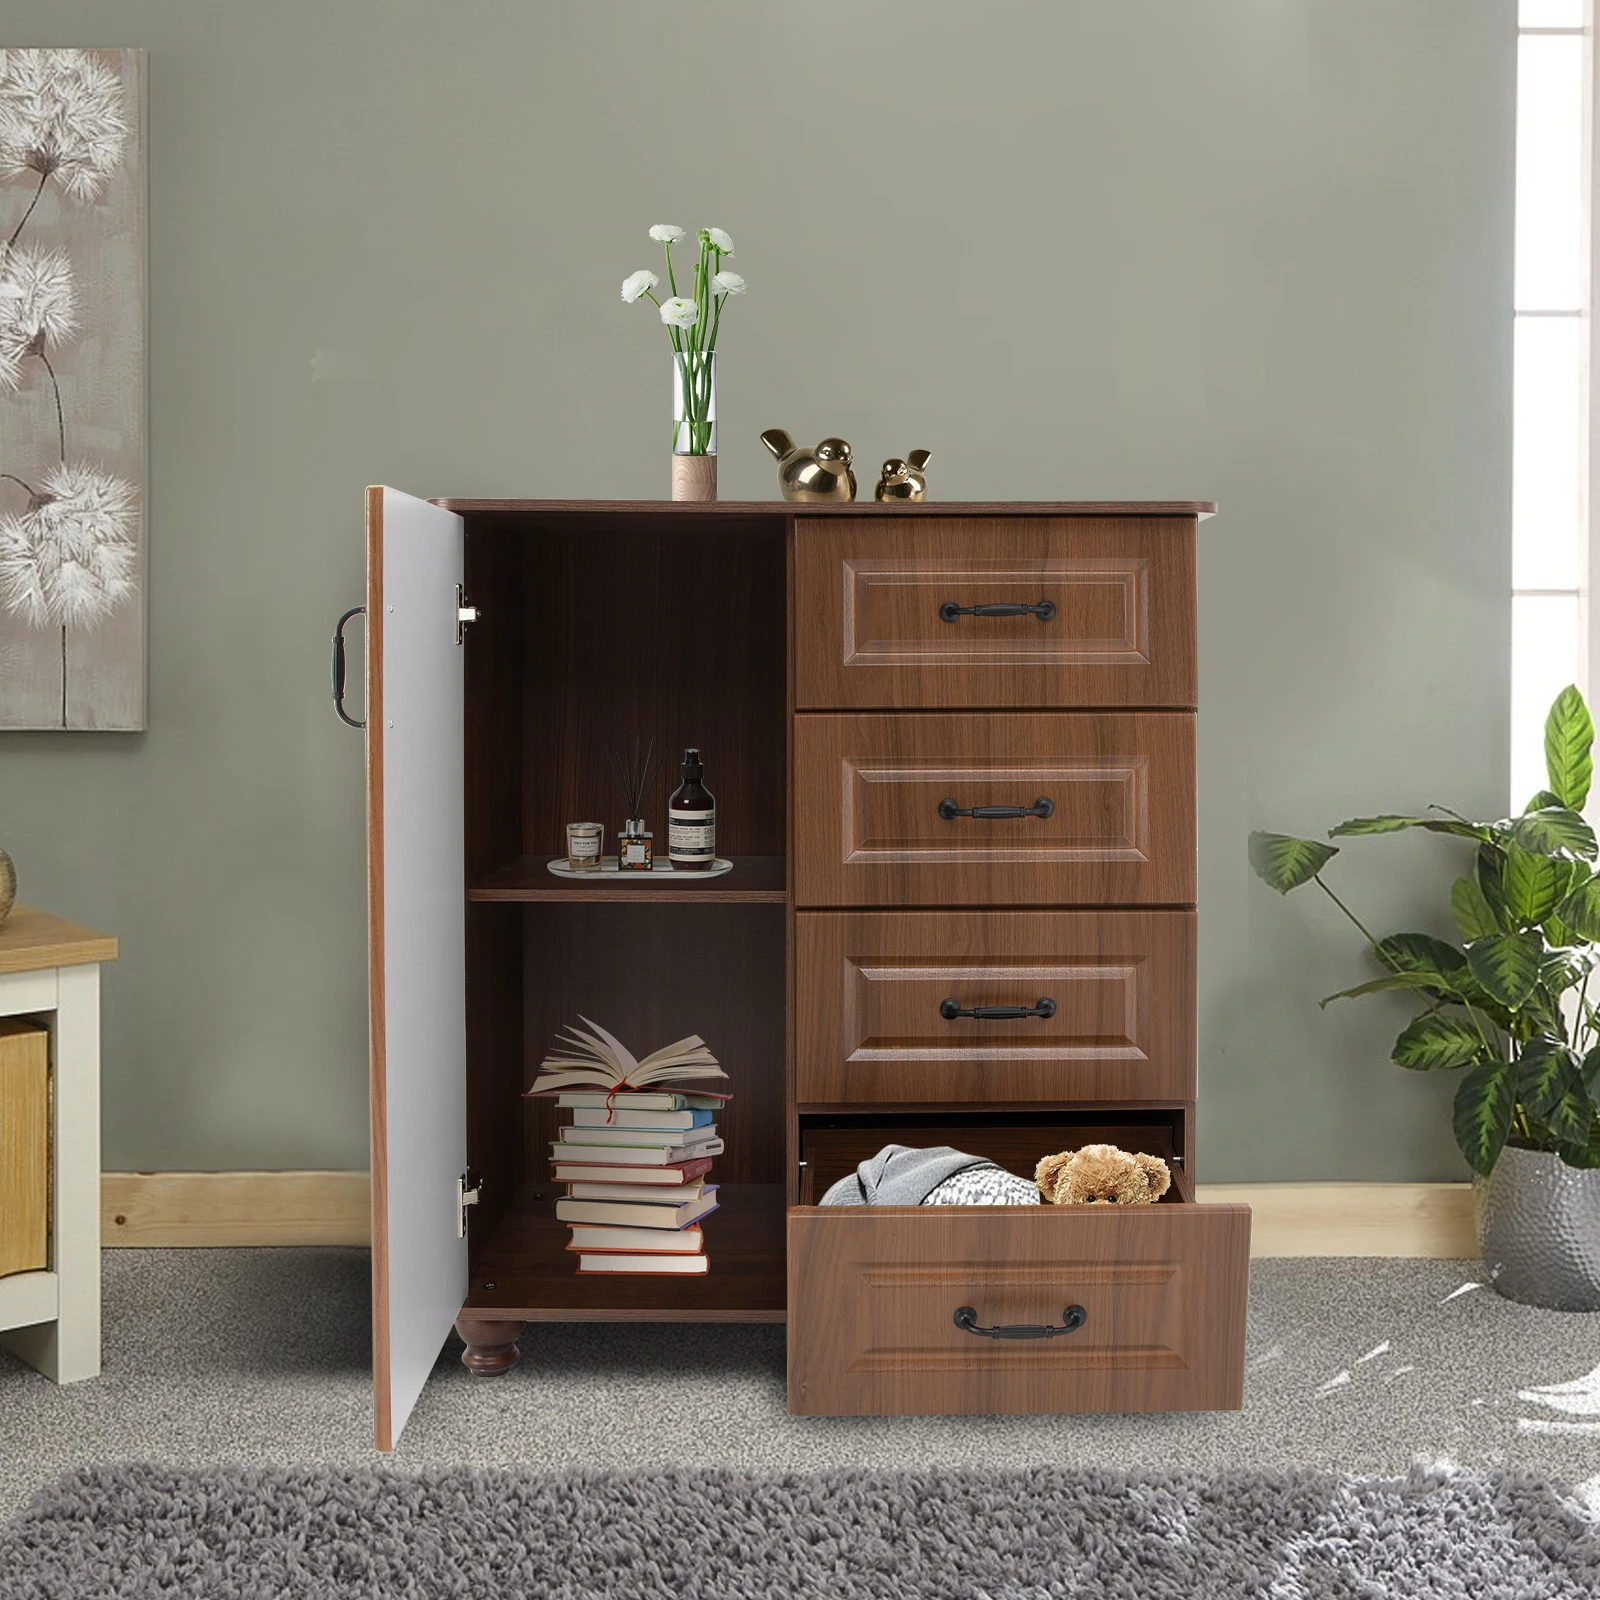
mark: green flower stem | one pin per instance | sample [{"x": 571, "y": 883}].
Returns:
[
  {"x": 670, "y": 279},
  {"x": 1347, "y": 911}
]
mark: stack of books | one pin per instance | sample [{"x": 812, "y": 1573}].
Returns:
[{"x": 635, "y": 1156}]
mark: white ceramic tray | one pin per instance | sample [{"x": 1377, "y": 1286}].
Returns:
[{"x": 660, "y": 872}]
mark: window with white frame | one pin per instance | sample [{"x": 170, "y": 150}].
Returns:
[{"x": 1550, "y": 526}]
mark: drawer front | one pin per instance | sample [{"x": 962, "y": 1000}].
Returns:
[
  {"x": 875, "y": 987},
  {"x": 1118, "y": 788},
  {"x": 873, "y": 1293},
  {"x": 875, "y": 624}
]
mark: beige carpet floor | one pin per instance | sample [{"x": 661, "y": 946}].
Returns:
[{"x": 260, "y": 1357}]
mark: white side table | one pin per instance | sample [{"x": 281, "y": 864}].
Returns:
[{"x": 50, "y": 973}]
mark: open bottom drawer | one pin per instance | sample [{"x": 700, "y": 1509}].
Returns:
[{"x": 874, "y": 1292}]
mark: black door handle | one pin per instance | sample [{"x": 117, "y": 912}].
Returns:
[
  {"x": 1045, "y": 609},
  {"x": 949, "y": 810},
  {"x": 1072, "y": 1319},
  {"x": 951, "y": 1009},
  {"x": 338, "y": 666}
]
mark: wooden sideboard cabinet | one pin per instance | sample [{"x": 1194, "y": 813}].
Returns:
[{"x": 862, "y": 717}]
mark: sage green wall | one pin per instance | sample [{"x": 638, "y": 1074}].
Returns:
[{"x": 1253, "y": 250}]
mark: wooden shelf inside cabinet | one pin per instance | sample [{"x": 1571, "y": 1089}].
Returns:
[
  {"x": 536, "y": 1277},
  {"x": 755, "y": 880}
]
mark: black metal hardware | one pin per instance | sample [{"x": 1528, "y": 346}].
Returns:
[
  {"x": 951, "y": 1009},
  {"x": 949, "y": 810},
  {"x": 1072, "y": 1319},
  {"x": 338, "y": 666},
  {"x": 1045, "y": 609}
]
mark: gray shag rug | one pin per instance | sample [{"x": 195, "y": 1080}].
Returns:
[{"x": 254, "y": 1534}]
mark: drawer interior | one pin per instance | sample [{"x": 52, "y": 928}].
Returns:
[{"x": 833, "y": 1146}]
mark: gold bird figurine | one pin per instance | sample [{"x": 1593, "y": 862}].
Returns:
[
  {"x": 820, "y": 474},
  {"x": 904, "y": 480}
]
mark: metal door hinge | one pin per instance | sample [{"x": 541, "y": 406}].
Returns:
[
  {"x": 469, "y": 1191},
  {"x": 465, "y": 612}
]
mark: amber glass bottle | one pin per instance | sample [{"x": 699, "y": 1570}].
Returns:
[{"x": 692, "y": 820}]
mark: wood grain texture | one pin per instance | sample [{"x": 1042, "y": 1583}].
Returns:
[
  {"x": 652, "y": 974},
  {"x": 24, "y": 1147},
  {"x": 1431, "y": 1220},
  {"x": 869, "y": 1028},
  {"x": 873, "y": 1292},
  {"x": 378, "y": 1150},
  {"x": 834, "y": 1146},
  {"x": 32, "y": 940},
  {"x": 231, "y": 1210},
  {"x": 491, "y": 1345},
  {"x": 755, "y": 880},
  {"x": 868, "y": 829},
  {"x": 667, "y": 631},
  {"x": 778, "y": 508},
  {"x": 526, "y": 1273},
  {"x": 870, "y": 592}
]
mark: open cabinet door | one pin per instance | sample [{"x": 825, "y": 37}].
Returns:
[{"x": 416, "y": 930}]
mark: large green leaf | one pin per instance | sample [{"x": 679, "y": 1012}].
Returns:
[
  {"x": 1483, "y": 1109},
  {"x": 1591, "y": 1074},
  {"x": 1580, "y": 911},
  {"x": 1415, "y": 982},
  {"x": 1555, "y": 831},
  {"x": 1551, "y": 1087},
  {"x": 1490, "y": 868},
  {"x": 1568, "y": 747},
  {"x": 1392, "y": 823},
  {"x": 1420, "y": 953},
  {"x": 1541, "y": 801},
  {"x": 1583, "y": 1153},
  {"x": 1470, "y": 907},
  {"x": 1284, "y": 863},
  {"x": 1507, "y": 965},
  {"x": 1534, "y": 884},
  {"x": 1433, "y": 1042}
]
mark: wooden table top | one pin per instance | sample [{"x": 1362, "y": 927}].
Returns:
[{"x": 31, "y": 939}]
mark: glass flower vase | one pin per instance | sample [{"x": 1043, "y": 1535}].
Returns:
[{"x": 694, "y": 425}]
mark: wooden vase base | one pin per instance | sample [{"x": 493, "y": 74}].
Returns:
[
  {"x": 694, "y": 477},
  {"x": 491, "y": 1345}
]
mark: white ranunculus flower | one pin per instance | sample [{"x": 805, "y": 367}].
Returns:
[
  {"x": 720, "y": 240},
  {"x": 665, "y": 233},
  {"x": 729, "y": 282},
  {"x": 679, "y": 313},
  {"x": 636, "y": 283}
]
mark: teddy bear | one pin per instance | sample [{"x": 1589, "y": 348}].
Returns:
[{"x": 1101, "y": 1174}]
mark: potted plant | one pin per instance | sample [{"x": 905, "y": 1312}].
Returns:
[
  {"x": 692, "y": 321},
  {"x": 1508, "y": 1005}
]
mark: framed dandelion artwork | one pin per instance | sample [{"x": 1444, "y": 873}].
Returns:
[{"x": 72, "y": 389}]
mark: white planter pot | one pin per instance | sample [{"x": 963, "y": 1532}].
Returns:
[{"x": 1539, "y": 1230}]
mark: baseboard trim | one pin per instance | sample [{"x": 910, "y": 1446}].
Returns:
[
  {"x": 173, "y": 1210},
  {"x": 178, "y": 1209},
  {"x": 1355, "y": 1219}
]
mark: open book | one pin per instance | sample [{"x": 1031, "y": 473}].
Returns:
[{"x": 600, "y": 1058}]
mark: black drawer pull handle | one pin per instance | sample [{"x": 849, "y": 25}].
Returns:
[
  {"x": 1045, "y": 609},
  {"x": 338, "y": 666},
  {"x": 951, "y": 1009},
  {"x": 949, "y": 810},
  {"x": 1072, "y": 1319}
]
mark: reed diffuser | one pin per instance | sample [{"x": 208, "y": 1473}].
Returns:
[{"x": 636, "y": 779}]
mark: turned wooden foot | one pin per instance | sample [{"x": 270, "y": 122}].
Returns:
[{"x": 491, "y": 1345}]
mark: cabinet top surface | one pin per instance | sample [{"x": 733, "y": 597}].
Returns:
[
  {"x": 853, "y": 508},
  {"x": 31, "y": 939}
]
